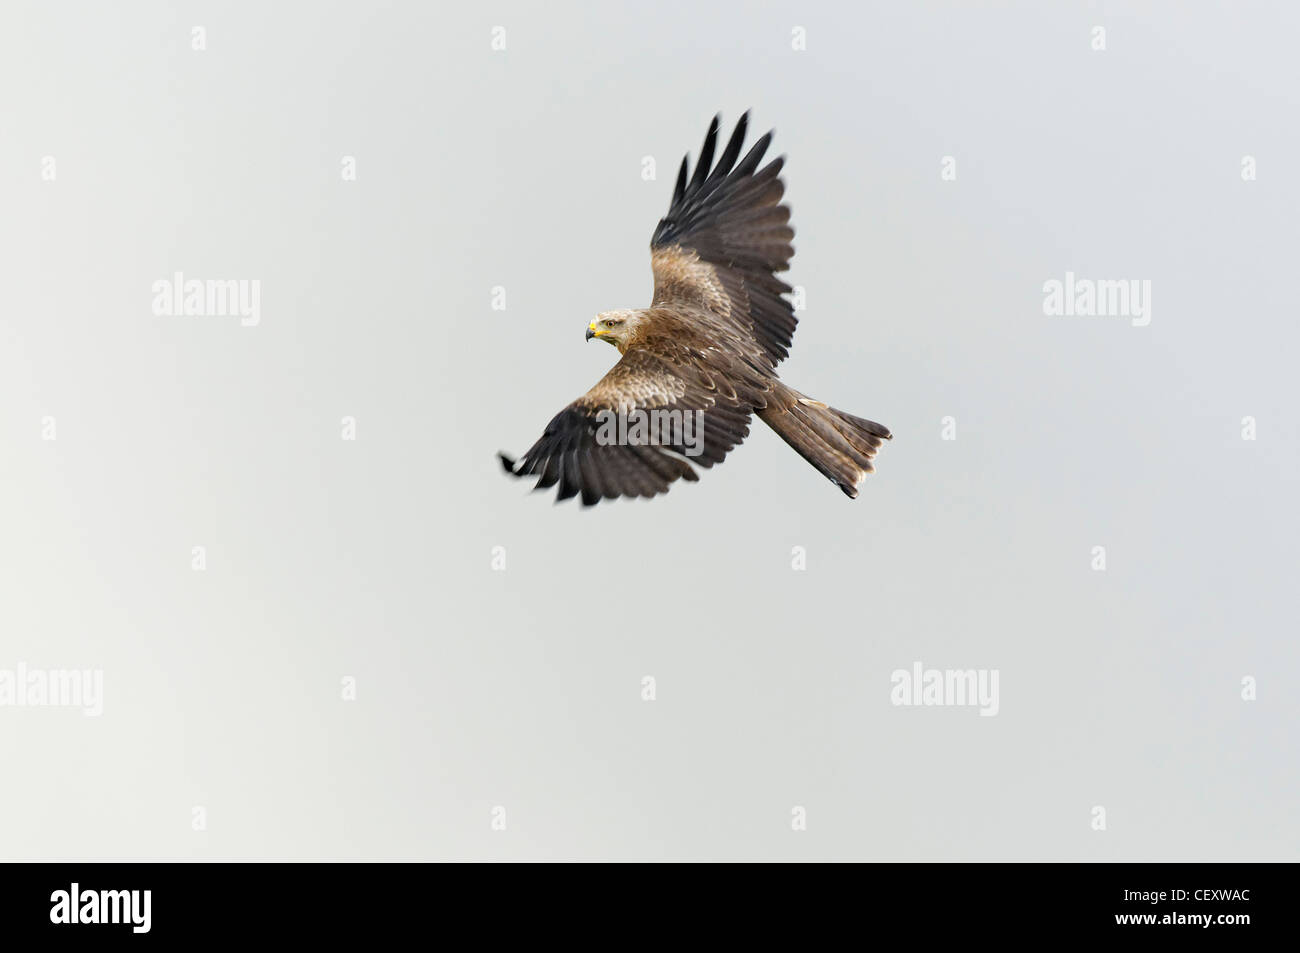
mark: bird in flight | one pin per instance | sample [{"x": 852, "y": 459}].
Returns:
[{"x": 702, "y": 359}]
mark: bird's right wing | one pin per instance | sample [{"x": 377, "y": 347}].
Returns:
[{"x": 701, "y": 415}]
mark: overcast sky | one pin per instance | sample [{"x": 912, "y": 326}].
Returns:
[{"x": 280, "y": 541}]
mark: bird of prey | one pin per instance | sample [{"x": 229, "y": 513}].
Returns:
[{"x": 704, "y": 353}]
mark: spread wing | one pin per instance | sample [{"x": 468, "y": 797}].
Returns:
[
  {"x": 724, "y": 239},
  {"x": 576, "y": 451}
]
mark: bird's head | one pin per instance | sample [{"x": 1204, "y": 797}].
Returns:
[{"x": 616, "y": 327}]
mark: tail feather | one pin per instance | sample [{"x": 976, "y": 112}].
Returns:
[{"x": 840, "y": 445}]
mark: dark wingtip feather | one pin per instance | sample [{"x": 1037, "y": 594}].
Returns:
[
  {"x": 507, "y": 463},
  {"x": 729, "y": 154},
  {"x": 753, "y": 157},
  {"x": 550, "y": 475},
  {"x": 570, "y": 478},
  {"x": 706, "y": 155}
]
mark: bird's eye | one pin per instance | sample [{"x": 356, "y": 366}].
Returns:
[{"x": 609, "y": 324}]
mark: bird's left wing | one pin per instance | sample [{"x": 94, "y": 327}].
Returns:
[
  {"x": 701, "y": 413},
  {"x": 724, "y": 240}
]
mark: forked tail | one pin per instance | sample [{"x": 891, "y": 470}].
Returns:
[{"x": 840, "y": 445}]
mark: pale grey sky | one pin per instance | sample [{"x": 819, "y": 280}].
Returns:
[{"x": 521, "y": 168}]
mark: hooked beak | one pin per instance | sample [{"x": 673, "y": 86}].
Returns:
[{"x": 591, "y": 333}]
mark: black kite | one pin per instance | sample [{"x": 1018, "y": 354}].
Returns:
[{"x": 707, "y": 346}]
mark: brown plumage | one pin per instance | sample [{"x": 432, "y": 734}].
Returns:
[{"x": 709, "y": 344}]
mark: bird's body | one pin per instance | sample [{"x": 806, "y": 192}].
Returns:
[{"x": 708, "y": 346}]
